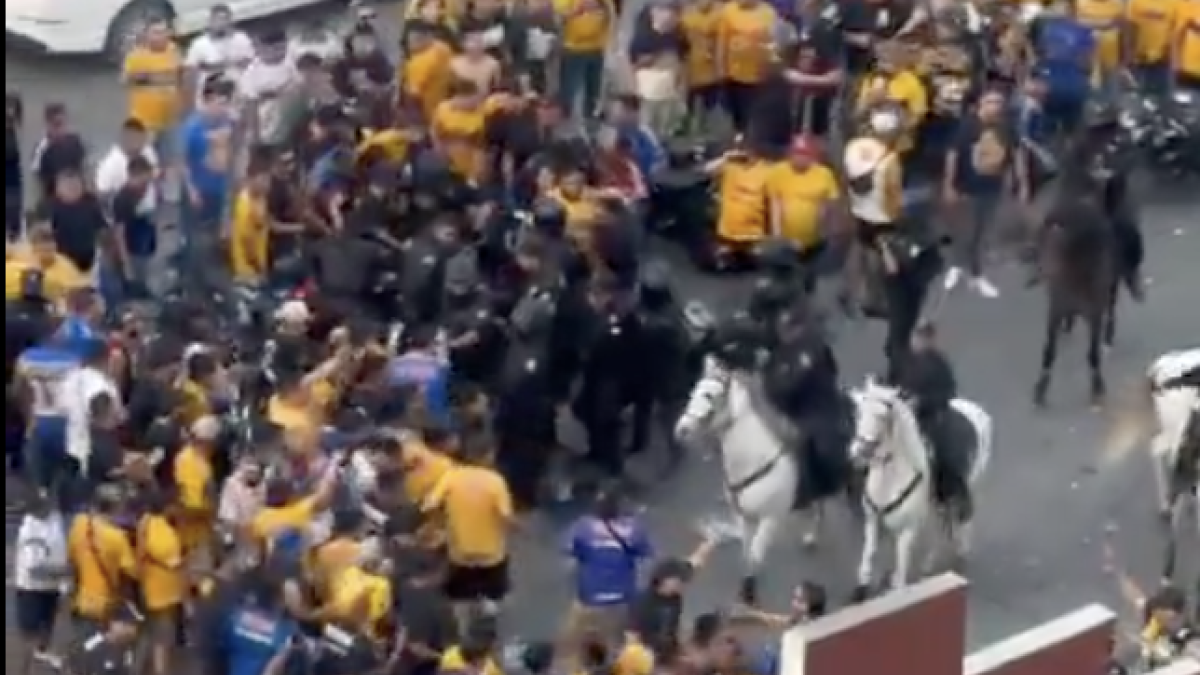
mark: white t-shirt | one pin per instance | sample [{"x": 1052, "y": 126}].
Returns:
[
  {"x": 266, "y": 84},
  {"x": 41, "y": 562},
  {"x": 79, "y": 389},
  {"x": 227, "y": 54},
  {"x": 113, "y": 170}
]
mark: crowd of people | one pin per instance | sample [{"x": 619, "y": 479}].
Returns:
[{"x": 308, "y": 448}]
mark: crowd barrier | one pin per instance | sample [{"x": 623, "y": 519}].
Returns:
[{"x": 921, "y": 630}]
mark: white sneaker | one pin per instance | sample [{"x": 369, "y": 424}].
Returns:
[
  {"x": 985, "y": 288},
  {"x": 953, "y": 277}
]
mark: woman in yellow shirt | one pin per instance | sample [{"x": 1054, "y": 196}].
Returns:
[
  {"x": 163, "y": 581},
  {"x": 152, "y": 72},
  {"x": 458, "y": 127},
  {"x": 745, "y": 48}
]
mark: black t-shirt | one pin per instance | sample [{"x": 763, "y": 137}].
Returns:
[
  {"x": 973, "y": 179},
  {"x": 77, "y": 228},
  {"x": 141, "y": 237},
  {"x": 66, "y": 152}
]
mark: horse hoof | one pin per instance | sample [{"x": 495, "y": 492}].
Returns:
[
  {"x": 860, "y": 594},
  {"x": 809, "y": 541},
  {"x": 1164, "y": 516},
  {"x": 748, "y": 593}
]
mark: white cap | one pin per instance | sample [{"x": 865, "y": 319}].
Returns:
[
  {"x": 293, "y": 311},
  {"x": 863, "y": 155},
  {"x": 206, "y": 428}
]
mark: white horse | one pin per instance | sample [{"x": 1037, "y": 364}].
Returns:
[
  {"x": 761, "y": 474},
  {"x": 1161, "y": 416},
  {"x": 899, "y": 493}
]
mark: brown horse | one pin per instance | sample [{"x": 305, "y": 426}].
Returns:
[{"x": 1078, "y": 257}]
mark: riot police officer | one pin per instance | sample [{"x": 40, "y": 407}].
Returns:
[
  {"x": 782, "y": 283},
  {"x": 525, "y": 397},
  {"x": 663, "y": 349},
  {"x": 472, "y": 327},
  {"x": 608, "y": 374}
]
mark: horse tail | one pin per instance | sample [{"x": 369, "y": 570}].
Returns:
[
  {"x": 1134, "y": 421},
  {"x": 985, "y": 429}
]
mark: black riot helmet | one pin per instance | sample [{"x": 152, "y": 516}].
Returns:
[
  {"x": 654, "y": 284},
  {"x": 735, "y": 342},
  {"x": 778, "y": 257},
  {"x": 549, "y": 217}
]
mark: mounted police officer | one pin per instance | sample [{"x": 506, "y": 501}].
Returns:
[
  {"x": 800, "y": 378},
  {"x": 663, "y": 351},
  {"x": 928, "y": 379}
]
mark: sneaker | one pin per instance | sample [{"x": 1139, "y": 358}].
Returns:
[
  {"x": 953, "y": 277},
  {"x": 985, "y": 288}
]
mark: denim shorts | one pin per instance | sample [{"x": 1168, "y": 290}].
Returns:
[{"x": 36, "y": 613}]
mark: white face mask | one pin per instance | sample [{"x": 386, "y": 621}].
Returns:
[{"x": 884, "y": 122}]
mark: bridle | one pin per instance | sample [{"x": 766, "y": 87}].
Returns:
[{"x": 867, "y": 449}]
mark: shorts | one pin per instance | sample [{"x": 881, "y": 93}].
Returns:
[
  {"x": 36, "y": 613},
  {"x": 470, "y": 583}
]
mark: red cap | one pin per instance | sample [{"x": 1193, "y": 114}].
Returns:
[{"x": 805, "y": 146}]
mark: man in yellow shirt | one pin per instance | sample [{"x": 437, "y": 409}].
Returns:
[
  {"x": 163, "y": 580},
  {"x": 477, "y": 506},
  {"x": 1185, "y": 46},
  {"x": 745, "y": 54},
  {"x": 286, "y": 510},
  {"x": 742, "y": 214},
  {"x": 1149, "y": 25},
  {"x": 103, "y": 558},
  {"x": 586, "y": 28},
  {"x": 152, "y": 75},
  {"x": 195, "y": 488},
  {"x": 802, "y": 193},
  {"x": 894, "y": 82},
  {"x": 60, "y": 276}
]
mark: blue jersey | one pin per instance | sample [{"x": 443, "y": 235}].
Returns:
[
  {"x": 43, "y": 369},
  {"x": 76, "y": 334},
  {"x": 428, "y": 374},
  {"x": 253, "y": 637},
  {"x": 1065, "y": 49}
]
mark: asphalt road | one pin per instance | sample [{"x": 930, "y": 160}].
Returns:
[{"x": 1045, "y": 506}]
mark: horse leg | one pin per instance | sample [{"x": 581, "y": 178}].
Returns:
[
  {"x": 1054, "y": 327},
  {"x": 1095, "y": 357},
  {"x": 1160, "y": 453},
  {"x": 906, "y": 550},
  {"x": 756, "y": 548},
  {"x": 1110, "y": 316},
  {"x": 872, "y": 531}
]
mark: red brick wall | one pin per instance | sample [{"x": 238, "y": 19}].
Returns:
[{"x": 921, "y": 630}]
